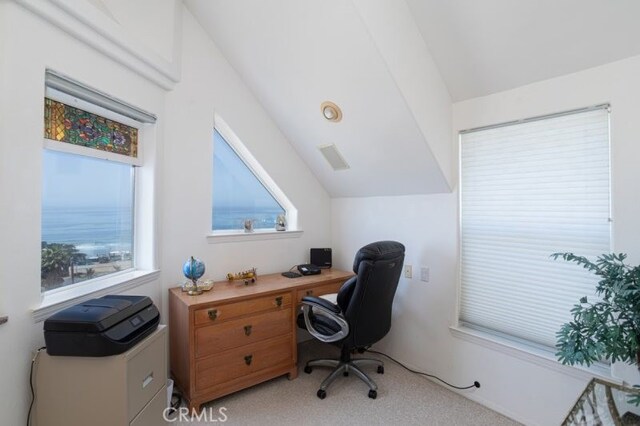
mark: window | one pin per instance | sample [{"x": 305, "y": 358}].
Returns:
[
  {"x": 87, "y": 218},
  {"x": 91, "y": 151},
  {"x": 530, "y": 189},
  {"x": 239, "y": 195}
]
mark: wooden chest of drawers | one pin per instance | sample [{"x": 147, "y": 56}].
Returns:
[{"x": 236, "y": 336}]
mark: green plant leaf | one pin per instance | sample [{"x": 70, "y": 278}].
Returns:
[{"x": 610, "y": 327}]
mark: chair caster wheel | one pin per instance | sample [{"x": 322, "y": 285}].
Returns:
[
  {"x": 308, "y": 369},
  {"x": 322, "y": 394},
  {"x": 345, "y": 374},
  {"x": 380, "y": 369},
  {"x": 372, "y": 394}
]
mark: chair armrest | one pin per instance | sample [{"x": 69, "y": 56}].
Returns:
[
  {"x": 321, "y": 307},
  {"x": 318, "y": 302}
]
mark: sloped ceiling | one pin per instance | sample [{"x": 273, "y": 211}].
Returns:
[
  {"x": 296, "y": 54},
  {"x": 484, "y": 47},
  {"x": 395, "y": 66}
]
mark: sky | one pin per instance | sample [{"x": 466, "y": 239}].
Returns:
[
  {"x": 77, "y": 181},
  {"x": 234, "y": 185}
]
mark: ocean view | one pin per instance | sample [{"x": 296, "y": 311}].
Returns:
[
  {"x": 94, "y": 231},
  {"x": 233, "y": 218},
  {"x": 98, "y": 231},
  {"x": 81, "y": 243}
]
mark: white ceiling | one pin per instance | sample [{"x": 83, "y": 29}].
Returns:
[
  {"x": 484, "y": 47},
  {"x": 379, "y": 61},
  {"x": 294, "y": 55}
]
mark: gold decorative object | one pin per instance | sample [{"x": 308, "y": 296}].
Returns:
[
  {"x": 205, "y": 285},
  {"x": 248, "y": 276}
]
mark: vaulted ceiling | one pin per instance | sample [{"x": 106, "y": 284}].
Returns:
[
  {"x": 487, "y": 46},
  {"x": 395, "y": 67}
]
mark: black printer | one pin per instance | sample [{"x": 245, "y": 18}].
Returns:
[{"x": 106, "y": 326}]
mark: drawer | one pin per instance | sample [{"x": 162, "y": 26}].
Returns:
[
  {"x": 146, "y": 374},
  {"x": 151, "y": 415},
  {"x": 243, "y": 361},
  {"x": 319, "y": 290},
  {"x": 231, "y": 334},
  {"x": 220, "y": 313}
]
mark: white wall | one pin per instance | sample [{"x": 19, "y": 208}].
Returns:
[
  {"x": 427, "y": 225},
  {"x": 209, "y": 85}
]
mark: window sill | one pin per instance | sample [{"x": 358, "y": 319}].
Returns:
[
  {"x": 259, "y": 234},
  {"x": 535, "y": 355},
  {"x": 58, "y": 300}
]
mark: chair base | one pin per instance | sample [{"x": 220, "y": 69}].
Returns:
[{"x": 345, "y": 367}]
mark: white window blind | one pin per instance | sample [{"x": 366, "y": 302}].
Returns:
[{"x": 530, "y": 189}]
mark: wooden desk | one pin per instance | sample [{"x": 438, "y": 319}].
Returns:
[{"x": 236, "y": 336}]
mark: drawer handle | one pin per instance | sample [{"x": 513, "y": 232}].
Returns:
[
  {"x": 279, "y": 301},
  {"x": 248, "y": 359},
  {"x": 147, "y": 380},
  {"x": 247, "y": 330},
  {"x": 213, "y": 314},
  {"x": 309, "y": 292}
]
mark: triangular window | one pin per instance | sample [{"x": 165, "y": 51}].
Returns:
[{"x": 241, "y": 199}]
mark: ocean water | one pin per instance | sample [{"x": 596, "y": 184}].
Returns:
[
  {"x": 233, "y": 218},
  {"x": 97, "y": 231},
  {"x": 94, "y": 231}
]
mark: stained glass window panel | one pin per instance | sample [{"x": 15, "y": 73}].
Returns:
[{"x": 64, "y": 123}]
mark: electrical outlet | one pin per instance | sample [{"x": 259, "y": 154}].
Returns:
[
  {"x": 408, "y": 273},
  {"x": 424, "y": 274}
]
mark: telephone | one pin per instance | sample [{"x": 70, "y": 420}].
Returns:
[{"x": 309, "y": 269}]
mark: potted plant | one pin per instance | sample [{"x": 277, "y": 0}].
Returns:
[{"x": 607, "y": 328}]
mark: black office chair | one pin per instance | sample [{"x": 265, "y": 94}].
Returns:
[{"x": 362, "y": 315}]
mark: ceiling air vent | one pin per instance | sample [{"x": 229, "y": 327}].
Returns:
[{"x": 333, "y": 157}]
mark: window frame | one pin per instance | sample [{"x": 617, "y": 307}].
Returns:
[
  {"x": 223, "y": 236},
  {"x": 144, "y": 268},
  {"x": 513, "y": 345}
]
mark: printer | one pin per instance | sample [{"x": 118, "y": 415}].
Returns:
[{"x": 106, "y": 326}]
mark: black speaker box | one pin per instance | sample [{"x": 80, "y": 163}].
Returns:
[{"x": 321, "y": 257}]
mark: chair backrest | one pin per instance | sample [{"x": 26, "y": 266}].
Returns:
[{"x": 368, "y": 311}]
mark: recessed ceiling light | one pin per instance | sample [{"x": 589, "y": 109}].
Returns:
[{"x": 331, "y": 111}]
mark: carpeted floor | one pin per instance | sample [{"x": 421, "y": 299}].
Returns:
[{"x": 403, "y": 398}]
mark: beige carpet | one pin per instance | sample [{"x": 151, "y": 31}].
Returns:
[{"x": 403, "y": 398}]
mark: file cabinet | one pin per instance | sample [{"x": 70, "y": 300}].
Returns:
[{"x": 125, "y": 389}]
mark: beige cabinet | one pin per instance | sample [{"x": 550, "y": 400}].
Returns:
[{"x": 124, "y": 389}]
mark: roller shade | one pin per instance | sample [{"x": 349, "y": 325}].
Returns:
[
  {"x": 88, "y": 94},
  {"x": 530, "y": 189}
]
